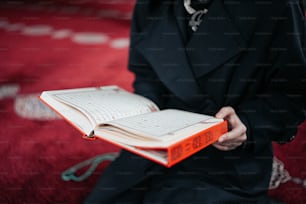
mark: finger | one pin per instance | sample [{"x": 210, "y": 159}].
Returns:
[
  {"x": 229, "y": 114},
  {"x": 234, "y": 144},
  {"x": 237, "y": 134},
  {"x": 238, "y": 130},
  {"x": 225, "y": 148},
  {"x": 225, "y": 112}
]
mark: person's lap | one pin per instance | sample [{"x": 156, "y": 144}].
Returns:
[
  {"x": 181, "y": 191},
  {"x": 156, "y": 185}
]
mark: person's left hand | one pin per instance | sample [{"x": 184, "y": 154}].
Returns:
[{"x": 237, "y": 131}]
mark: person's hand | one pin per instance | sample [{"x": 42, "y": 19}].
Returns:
[{"x": 237, "y": 130}]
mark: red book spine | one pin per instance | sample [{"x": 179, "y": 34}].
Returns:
[{"x": 195, "y": 143}]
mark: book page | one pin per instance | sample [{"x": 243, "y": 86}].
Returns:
[
  {"x": 106, "y": 103},
  {"x": 72, "y": 115},
  {"x": 162, "y": 126},
  {"x": 159, "y": 156}
]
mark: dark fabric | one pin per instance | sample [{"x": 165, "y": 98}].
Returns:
[
  {"x": 182, "y": 15},
  {"x": 118, "y": 175},
  {"x": 247, "y": 55}
]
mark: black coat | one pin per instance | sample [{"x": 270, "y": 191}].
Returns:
[{"x": 247, "y": 54}]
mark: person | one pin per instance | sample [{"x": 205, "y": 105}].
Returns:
[{"x": 244, "y": 61}]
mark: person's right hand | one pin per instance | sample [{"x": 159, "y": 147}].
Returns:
[{"x": 237, "y": 131}]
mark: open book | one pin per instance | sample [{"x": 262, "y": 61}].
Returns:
[{"x": 135, "y": 123}]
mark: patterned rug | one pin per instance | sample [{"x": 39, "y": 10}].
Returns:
[
  {"x": 67, "y": 44},
  {"x": 53, "y": 46}
]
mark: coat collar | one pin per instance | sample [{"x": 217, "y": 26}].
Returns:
[
  {"x": 179, "y": 64},
  {"x": 216, "y": 41}
]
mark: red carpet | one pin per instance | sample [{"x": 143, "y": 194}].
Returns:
[{"x": 54, "y": 45}]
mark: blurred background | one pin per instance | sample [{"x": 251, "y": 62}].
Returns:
[{"x": 57, "y": 44}]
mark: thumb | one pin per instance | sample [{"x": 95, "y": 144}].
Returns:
[{"x": 224, "y": 112}]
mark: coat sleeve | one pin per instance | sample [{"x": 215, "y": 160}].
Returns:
[
  {"x": 146, "y": 82},
  {"x": 276, "y": 114}
]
